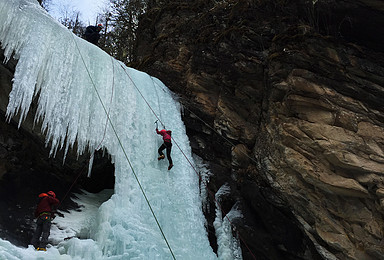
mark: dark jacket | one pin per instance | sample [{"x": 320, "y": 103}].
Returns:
[
  {"x": 46, "y": 204},
  {"x": 92, "y": 34}
]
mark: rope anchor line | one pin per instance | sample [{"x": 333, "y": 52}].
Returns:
[
  {"x": 190, "y": 163},
  {"x": 122, "y": 147},
  {"x": 126, "y": 156}
]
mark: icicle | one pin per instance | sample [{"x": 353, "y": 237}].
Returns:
[
  {"x": 71, "y": 80},
  {"x": 228, "y": 246},
  {"x": 90, "y": 165}
]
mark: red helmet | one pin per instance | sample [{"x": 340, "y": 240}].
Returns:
[
  {"x": 51, "y": 193},
  {"x": 43, "y": 195}
]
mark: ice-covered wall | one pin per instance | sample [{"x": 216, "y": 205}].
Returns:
[{"x": 86, "y": 96}]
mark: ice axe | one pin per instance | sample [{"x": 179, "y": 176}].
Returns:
[{"x": 157, "y": 126}]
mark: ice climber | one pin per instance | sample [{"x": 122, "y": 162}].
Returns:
[
  {"x": 44, "y": 214},
  {"x": 166, "y": 145},
  {"x": 92, "y": 33}
]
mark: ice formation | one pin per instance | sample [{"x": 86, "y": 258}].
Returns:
[{"x": 86, "y": 96}]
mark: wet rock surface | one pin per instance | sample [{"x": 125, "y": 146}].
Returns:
[{"x": 282, "y": 99}]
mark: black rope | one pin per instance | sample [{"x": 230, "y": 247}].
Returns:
[
  {"x": 190, "y": 163},
  {"x": 122, "y": 147}
]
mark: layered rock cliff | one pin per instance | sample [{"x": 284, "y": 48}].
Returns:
[{"x": 283, "y": 100}]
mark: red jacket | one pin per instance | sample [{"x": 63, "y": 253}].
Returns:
[
  {"x": 166, "y": 134},
  {"x": 45, "y": 204}
]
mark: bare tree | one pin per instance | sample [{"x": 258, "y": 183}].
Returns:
[
  {"x": 45, "y": 4},
  {"x": 123, "y": 19},
  {"x": 70, "y": 18}
]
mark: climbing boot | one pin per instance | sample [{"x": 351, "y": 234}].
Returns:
[
  {"x": 170, "y": 167},
  {"x": 41, "y": 249},
  {"x": 161, "y": 157}
]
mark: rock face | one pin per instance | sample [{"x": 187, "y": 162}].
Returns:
[{"x": 284, "y": 99}]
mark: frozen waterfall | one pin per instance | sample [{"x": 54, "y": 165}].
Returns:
[{"x": 85, "y": 96}]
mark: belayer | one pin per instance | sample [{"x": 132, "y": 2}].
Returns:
[
  {"x": 92, "y": 33},
  {"x": 44, "y": 214},
  {"x": 166, "y": 145}
]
